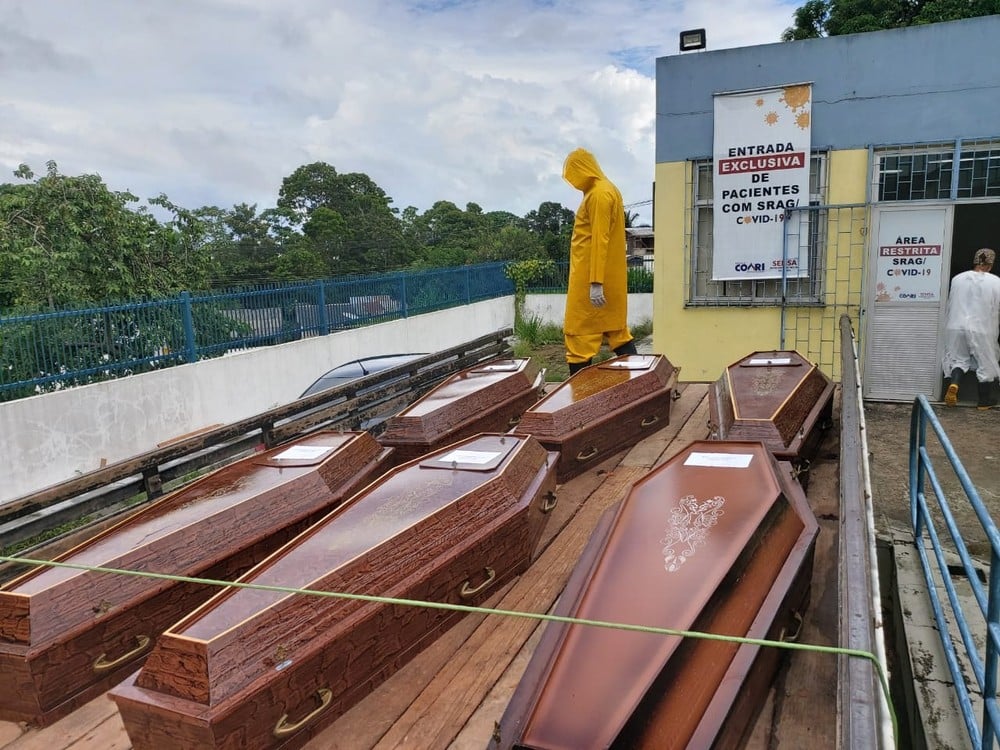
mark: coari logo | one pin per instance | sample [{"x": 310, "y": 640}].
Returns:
[{"x": 743, "y": 267}]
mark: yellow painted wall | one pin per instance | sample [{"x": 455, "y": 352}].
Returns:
[{"x": 702, "y": 341}]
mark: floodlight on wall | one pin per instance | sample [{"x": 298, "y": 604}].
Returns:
[{"x": 692, "y": 39}]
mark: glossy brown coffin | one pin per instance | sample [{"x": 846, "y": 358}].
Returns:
[
  {"x": 260, "y": 669},
  {"x": 717, "y": 540},
  {"x": 777, "y": 397},
  {"x": 66, "y": 635},
  {"x": 602, "y": 409},
  {"x": 490, "y": 397}
]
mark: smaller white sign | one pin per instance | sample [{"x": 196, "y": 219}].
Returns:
[
  {"x": 778, "y": 361},
  {"x": 720, "y": 460},
  {"x": 470, "y": 457},
  {"x": 303, "y": 453}
]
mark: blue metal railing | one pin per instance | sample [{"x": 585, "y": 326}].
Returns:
[
  {"x": 46, "y": 351},
  {"x": 983, "y": 665}
]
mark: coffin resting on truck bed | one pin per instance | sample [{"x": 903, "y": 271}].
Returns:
[
  {"x": 777, "y": 397},
  {"x": 490, "y": 397},
  {"x": 602, "y": 409},
  {"x": 718, "y": 540},
  {"x": 66, "y": 635},
  {"x": 260, "y": 669}
]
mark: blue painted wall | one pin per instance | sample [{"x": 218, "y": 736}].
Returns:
[{"x": 923, "y": 83}]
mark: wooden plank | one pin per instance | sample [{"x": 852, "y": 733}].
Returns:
[
  {"x": 441, "y": 711},
  {"x": 71, "y": 730},
  {"x": 695, "y": 428},
  {"x": 646, "y": 453}
]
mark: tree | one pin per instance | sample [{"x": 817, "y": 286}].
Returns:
[
  {"x": 553, "y": 223},
  {"x": 70, "y": 240},
  {"x": 818, "y": 18}
]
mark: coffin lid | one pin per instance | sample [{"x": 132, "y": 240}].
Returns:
[
  {"x": 372, "y": 544},
  {"x": 47, "y": 602},
  {"x": 461, "y": 399},
  {"x": 670, "y": 553},
  {"x": 596, "y": 391},
  {"x": 774, "y": 396}
]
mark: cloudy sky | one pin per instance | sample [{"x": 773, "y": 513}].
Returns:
[{"x": 216, "y": 101}]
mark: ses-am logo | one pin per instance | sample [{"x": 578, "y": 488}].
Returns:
[{"x": 748, "y": 267}]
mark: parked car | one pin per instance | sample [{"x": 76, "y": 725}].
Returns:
[
  {"x": 359, "y": 368},
  {"x": 635, "y": 261}
]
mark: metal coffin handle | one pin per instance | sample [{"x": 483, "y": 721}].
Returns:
[
  {"x": 101, "y": 663},
  {"x": 283, "y": 728},
  {"x": 649, "y": 421},
  {"x": 549, "y": 502},
  {"x": 590, "y": 453},
  {"x": 467, "y": 592}
]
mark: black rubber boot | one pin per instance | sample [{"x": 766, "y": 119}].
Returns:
[
  {"x": 986, "y": 398},
  {"x": 951, "y": 395},
  {"x": 575, "y": 367},
  {"x": 628, "y": 348}
]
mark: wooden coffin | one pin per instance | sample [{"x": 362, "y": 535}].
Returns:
[
  {"x": 262, "y": 669},
  {"x": 777, "y": 397},
  {"x": 602, "y": 409},
  {"x": 490, "y": 397},
  {"x": 719, "y": 539},
  {"x": 66, "y": 635}
]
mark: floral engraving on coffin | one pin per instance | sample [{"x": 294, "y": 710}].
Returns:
[
  {"x": 766, "y": 383},
  {"x": 690, "y": 522}
]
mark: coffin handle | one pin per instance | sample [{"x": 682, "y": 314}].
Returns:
[
  {"x": 283, "y": 728},
  {"x": 513, "y": 421},
  {"x": 649, "y": 421},
  {"x": 591, "y": 452},
  {"x": 101, "y": 663},
  {"x": 549, "y": 502},
  {"x": 786, "y": 637},
  {"x": 466, "y": 592}
]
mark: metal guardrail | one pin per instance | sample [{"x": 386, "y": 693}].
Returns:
[
  {"x": 862, "y": 708},
  {"x": 146, "y": 475},
  {"x": 982, "y": 661}
]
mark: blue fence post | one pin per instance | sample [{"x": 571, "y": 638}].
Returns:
[
  {"x": 190, "y": 348},
  {"x": 468, "y": 285},
  {"x": 402, "y": 295},
  {"x": 324, "y": 319}
]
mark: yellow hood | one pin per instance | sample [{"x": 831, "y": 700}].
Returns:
[{"x": 581, "y": 169}]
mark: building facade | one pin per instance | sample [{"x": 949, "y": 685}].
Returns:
[{"x": 800, "y": 181}]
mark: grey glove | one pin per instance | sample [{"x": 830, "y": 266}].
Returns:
[{"x": 597, "y": 295}]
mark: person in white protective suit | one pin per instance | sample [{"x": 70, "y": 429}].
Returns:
[{"x": 970, "y": 337}]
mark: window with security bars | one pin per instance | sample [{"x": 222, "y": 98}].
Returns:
[
  {"x": 928, "y": 171},
  {"x": 979, "y": 169},
  {"x": 805, "y": 235}
]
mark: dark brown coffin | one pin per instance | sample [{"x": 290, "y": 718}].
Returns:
[
  {"x": 718, "y": 540},
  {"x": 67, "y": 635},
  {"x": 490, "y": 397},
  {"x": 777, "y": 397},
  {"x": 260, "y": 669},
  {"x": 602, "y": 409}
]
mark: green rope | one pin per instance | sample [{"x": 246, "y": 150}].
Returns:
[{"x": 883, "y": 681}]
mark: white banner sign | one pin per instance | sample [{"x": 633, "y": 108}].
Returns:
[
  {"x": 761, "y": 158},
  {"x": 908, "y": 266}
]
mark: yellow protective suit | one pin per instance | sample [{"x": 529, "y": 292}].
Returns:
[{"x": 596, "y": 255}]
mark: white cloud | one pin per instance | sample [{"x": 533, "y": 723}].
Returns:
[{"x": 216, "y": 101}]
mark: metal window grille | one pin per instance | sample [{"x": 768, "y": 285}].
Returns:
[
  {"x": 809, "y": 236},
  {"x": 914, "y": 172},
  {"x": 979, "y": 169}
]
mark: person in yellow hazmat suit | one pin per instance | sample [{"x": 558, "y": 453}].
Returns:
[{"x": 597, "y": 298}]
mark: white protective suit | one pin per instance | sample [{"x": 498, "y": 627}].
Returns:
[{"x": 970, "y": 337}]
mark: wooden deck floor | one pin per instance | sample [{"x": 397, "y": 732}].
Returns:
[{"x": 451, "y": 695}]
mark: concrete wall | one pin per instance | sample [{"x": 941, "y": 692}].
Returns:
[
  {"x": 921, "y": 83},
  {"x": 53, "y": 437},
  {"x": 551, "y": 308}
]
